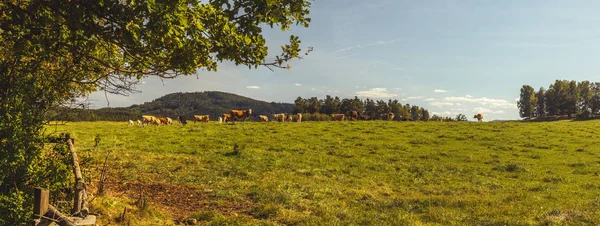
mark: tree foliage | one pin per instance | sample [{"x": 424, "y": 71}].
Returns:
[
  {"x": 563, "y": 98},
  {"x": 527, "y": 102},
  {"x": 372, "y": 109}
]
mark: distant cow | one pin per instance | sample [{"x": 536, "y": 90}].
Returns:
[
  {"x": 479, "y": 117},
  {"x": 169, "y": 121},
  {"x": 130, "y": 123},
  {"x": 354, "y": 115},
  {"x": 139, "y": 122},
  {"x": 299, "y": 117},
  {"x": 338, "y": 117},
  {"x": 240, "y": 114},
  {"x": 279, "y": 117},
  {"x": 226, "y": 117},
  {"x": 263, "y": 118},
  {"x": 220, "y": 119},
  {"x": 201, "y": 118},
  {"x": 163, "y": 121},
  {"x": 390, "y": 116},
  {"x": 289, "y": 118},
  {"x": 181, "y": 120},
  {"x": 147, "y": 119}
]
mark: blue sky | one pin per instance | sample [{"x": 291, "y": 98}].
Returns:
[{"x": 463, "y": 56}]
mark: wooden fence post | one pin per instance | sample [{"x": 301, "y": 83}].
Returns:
[{"x": 80, "y": 202}]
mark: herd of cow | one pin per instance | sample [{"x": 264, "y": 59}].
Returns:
[
  {"x": 245, "y": 114},
  {"x": 234, "y": 115}
]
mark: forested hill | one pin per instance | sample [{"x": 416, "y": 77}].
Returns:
[{"x": 211, "y": 103}]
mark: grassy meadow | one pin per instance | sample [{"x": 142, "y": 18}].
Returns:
[{"x": 346, "y": 173}]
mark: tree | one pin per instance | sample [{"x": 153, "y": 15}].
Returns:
[
  {"x": 572, "y": 98},
  {"x": 328, "y": 106},
  {"x": 424, "y": 115},
  {"x": 405, "y": 112},
  {"x": 415, "y": 113},
  {"x": 527, "y": 102},
  {"x": 595, "y": 102},
  {"x": 371, "y": 108},
  {"x": 461, "y": 118},
  {"x": 52, "y": 52},
  {"x": 336, "y": 104},
  {"x": 357, "y": 105},
  {"x": 346, "y": 106},
  {"x": 382, "y": 109},
  {"x": 300, "y": 106},
  {"x": 396, "y": 108},
  {"x": 313, "y": 105},
  {"x": 584, "y": 102},
  {"x": 540, "y": 108}
]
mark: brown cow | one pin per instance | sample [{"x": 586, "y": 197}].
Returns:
[
  {"x": 299, "y": 117},
  {"x": 181, "y": 120},
  {"x": 479, "y": 117},
  {"x": 226, "y": 117},
  {"x": 263, "y": 118},
  {"x": 163, "y": 121},
  {"x": 240, "y": 114},
  {"x": 279, "y": 117},
  {"x": 289, "y": 118},
  {"x": 354, "y": 115},
  {"x": 390, "y": 116},
  {"x": 201, "y": 118},
  {"x": 338, "y": 117},
  {"x": 147, "y": 119}
]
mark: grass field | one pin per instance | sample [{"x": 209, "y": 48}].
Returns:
[{"x": 348, "y": 173}]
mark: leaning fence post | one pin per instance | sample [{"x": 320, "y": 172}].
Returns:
[{"x": 80, "y": 201}]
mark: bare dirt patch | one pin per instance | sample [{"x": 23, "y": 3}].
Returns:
[{"x": 178, "y": 200}]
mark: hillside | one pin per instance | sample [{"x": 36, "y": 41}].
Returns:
[{"x": 211, "y": 103}]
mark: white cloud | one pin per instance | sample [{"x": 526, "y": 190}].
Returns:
[
  {"x": 298, "y": 84},
  {"x": 486, "y": 110},
  {"x": 445, "y": 113},
  {"x": 468, "y": 96},
  {"x": 488, "y": 102},
  {"x": 440, "y": 104},
  {"x": 313, "y": 89},
  {"x": 517, "y": 98},
  {"x": 346, "y": 56},
  {"x": 359, "y": 46},
  {"x": 375, "y": 93},
  {"x": 429, "y": 99},
  {"x": 252, "y": 87},
  {"x": 440, "y": 91},
  {"x": 415, "y": 98}
]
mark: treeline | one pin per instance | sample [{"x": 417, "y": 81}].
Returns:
[
  {"x": 563, "y": 99},
  {"x": 367, "y": 109}
]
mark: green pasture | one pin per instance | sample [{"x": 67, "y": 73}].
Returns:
[{"x": 347, "y": 173}]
